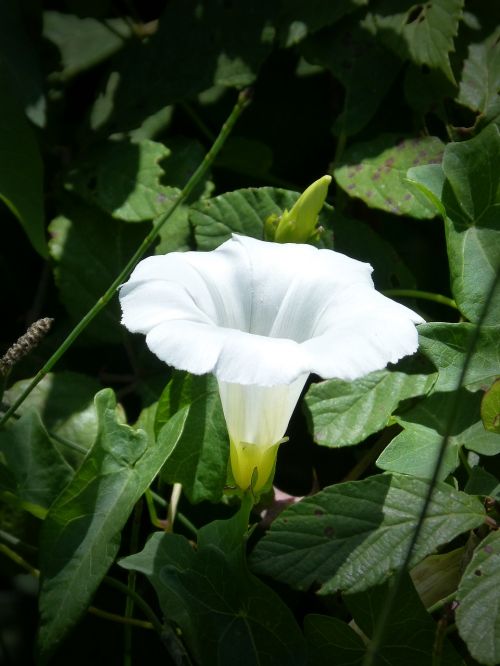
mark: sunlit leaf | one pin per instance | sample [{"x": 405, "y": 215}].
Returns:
[
  {"x": 81, "y": 534},
  {"x": 353, "y": 535}
]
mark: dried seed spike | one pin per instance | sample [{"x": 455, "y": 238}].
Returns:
[{"x": 25, "y": 343}]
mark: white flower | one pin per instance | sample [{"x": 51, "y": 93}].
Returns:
[{"x": 261, "y": 316}]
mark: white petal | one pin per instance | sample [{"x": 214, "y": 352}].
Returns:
[
  {"x": 362, "y": 332},
  {"x": 259, "y": 415}
]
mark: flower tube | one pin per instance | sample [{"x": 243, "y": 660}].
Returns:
[{"x": 261, "y": 316}]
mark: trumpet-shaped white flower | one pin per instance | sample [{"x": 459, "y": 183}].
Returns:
[{"x": 261, "y": 316}]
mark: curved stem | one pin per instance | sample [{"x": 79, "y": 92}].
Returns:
[
  {"x": 243, "y": 100},
  {"x": 424, "y": 295}
]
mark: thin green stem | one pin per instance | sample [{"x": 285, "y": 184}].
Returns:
[
  {"x": 150, "y": 496},
  {"x": 442, "y": 602},
  {"x": 19, "y": 560},
  {"x": 113, "y": 617},
  {"x": 424, "y": 295},
  {"x": 243, "y": 100},
  {"x": 138, "y": 600},
  {"x": 131, "y": 580}
]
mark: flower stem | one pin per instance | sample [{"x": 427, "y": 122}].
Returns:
[
  {"x": 425, "y": 295},
  {"x": 242, "y": 102},
  {"x": 131, "y": 580}
]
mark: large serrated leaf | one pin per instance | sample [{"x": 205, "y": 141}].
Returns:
[
  {"x": 424, "y": 33},
  {"x": 480, "y": 81},
  {"x": 345, "y": 413},
  {"x": 478, "y": 594},
  {"x": 354, "y": 535},
  {"x": 199, "y": 461},
  {"x": 81, "y": 533},
  {"x": 467, "y": 192},
  {"x": 124, "y": 180},
  {"x": 374, "y": 172},
  {"x": 415, "y": 450},
  {"x": 446, "y": 345},
  {"x": 244, "y": 212}
]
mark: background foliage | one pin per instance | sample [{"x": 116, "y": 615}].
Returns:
[{"x": 107, "y": 109}]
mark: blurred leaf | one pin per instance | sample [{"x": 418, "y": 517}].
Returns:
[
  {"x": 470, "y": 198},
  {"x": 374, "y": 172},
  {"x": 65, "y": 402},
  {"x": 481, "y": 482},
  {"x": 19, "y": 56},
  {"x": 37, "y": 469},
  {"x": 344, "y": 413},
  {"x": 244, "y": 212},
  {"x": 124, "y": 180},
  {"x": 446, "y": 346},
  {"x": 427, "y": 91},
  {"x": 21, "y": 169},
  {"x": 411, "y": 632},
  {"x": 199, "y": 461},
  {"x": 195, "y": 47},
  {"x": 479, "y": 597},
  {"x": 297, "y": 19},
  {"x": 331, "y": 641},
  {"x": 480, "y": 82},
  {"x": 353, "y": 535},
  {"x": 89, "y": 249},
  {"x": 490, "y": 408},
  {"x": 83, "y": 42},
  {"x": 81, "y": 534},
  {"x": 415, "y": 450},
  {"x": 423, "y": 33},
  {"x": 226, "y": 615},
  {"x": 438, "y": 575},
  {"x": 359, "y": 241},
  {"x": 364, "y": 67}
]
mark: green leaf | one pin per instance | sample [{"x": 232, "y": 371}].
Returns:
[
  {"x": 446, "y": 346},
  {"x": 90, "y": 249},
  {"x": 480, "y": 80},
  {"x": 345, "y": 413},
  {"x": 244, "y": 212},
  {"x": 65, "y": 402},
  {"x": 297, "y": 19},
  {"x": 472, "y": 204},
  {"x": 410, "y": 631},
  {"x": 470, "y": 198},
  {"x": 415, "y": 450},
  {"x": 38, "y": 471},
  {"x": 359, "y": 241},
  {"x": 331, "y": 641},
  {"x": 375, "y": 172},
  {"x": 226, "y": 615},
  {"x": 124, "y": 180},
  {"x": 364, "y": 67},
  {"x": 490, "y": 408},
  {"x": 81, "y": 534},
  {"x": 193, "y": 50},
  {"x": 353, "y": 535},
  {"x": 423, "y": 33},
  {"x": 481, "y": 482},
  {"x": 83, "y": 42},
  {"x": 199, "y": 461},
  {"x": 478, "y": 595},
  {"x": 21, "y": 169}
]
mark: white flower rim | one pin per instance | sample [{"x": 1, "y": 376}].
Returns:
[{"x": 259, "y": 313}]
